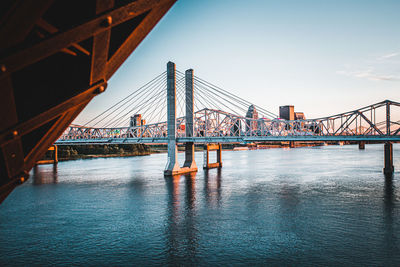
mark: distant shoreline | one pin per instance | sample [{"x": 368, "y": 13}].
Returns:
[{"x": 146, "y": 150}]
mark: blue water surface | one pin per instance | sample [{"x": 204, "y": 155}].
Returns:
[{"x": 322, "y": 206}]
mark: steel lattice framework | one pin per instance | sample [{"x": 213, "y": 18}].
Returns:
[
  {"x": 371, "y": 123},
  {"x": 55, "y": 57}
]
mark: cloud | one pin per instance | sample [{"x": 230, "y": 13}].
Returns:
[
  {"x": 369, "y": 74},
  {"x": 387, "y": 56},
  {"x": 384, "y": 68}
]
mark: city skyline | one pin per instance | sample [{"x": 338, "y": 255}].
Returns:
[{"x": 322, "y": 57}]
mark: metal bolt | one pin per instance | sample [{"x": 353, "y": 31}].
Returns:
[
  {"x": 15, "y": 133},
  {"x": 22, "y": 177},
  {"x": 3, "y": 68},
  {"x": 107, "y": 22},
  {"x": 100, "y": 89}
]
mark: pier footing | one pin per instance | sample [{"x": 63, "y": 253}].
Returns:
[
  {"x": 55, "y": 156},
  {"x": 188, "y": 166},
  {"x": 207, "y": 149},
  {"x": 361, "y": 145}
]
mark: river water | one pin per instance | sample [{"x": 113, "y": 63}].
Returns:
[{"x": 326, "y": 205}]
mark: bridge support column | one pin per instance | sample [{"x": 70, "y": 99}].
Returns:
[
  {"x": 54, "y": 159},
  {"x": 190, "y": 163},
  {"x": 207, "y": 149},
  {"x": 172, "y": 166},
  {"x": 55, "y": 154},
  {"x": 291, "y": 144},
  {"x": 361, "y": 145},
  {"x": 389, "y": 168}
]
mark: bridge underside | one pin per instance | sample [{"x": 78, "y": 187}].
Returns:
[{"x": 55, "y": 56}]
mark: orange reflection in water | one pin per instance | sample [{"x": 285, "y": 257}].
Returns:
[
  {"x": 181, "y": 233},
  {"x": 42, "y": 175}
]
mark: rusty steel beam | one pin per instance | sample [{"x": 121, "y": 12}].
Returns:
[
  {"x": 55, "y": 131},
  {"x": 51, "y": 29},
  {"x": 54, "y": 44},
  {"x": 52, "y": 64},
  {"x": 20, "y": 21},
  {"x": 7, "y": 107},
  {"x": 136, "y": 37},
  {"x": 101, "y": 43},
  {"x": 27, "y": 126}
]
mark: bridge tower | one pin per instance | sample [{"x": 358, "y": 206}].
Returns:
[
  {"x": 172, "y": 167},
  {"x": 189, "y": 127},
  {"x": 172, "y": 163}
]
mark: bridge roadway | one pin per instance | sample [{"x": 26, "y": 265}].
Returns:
[{"x": 230, "y": 139}]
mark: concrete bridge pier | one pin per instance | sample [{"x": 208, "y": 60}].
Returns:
[
  {"x": 207, "y": 149},
  {"x": 55, "y": 154},
  {"x": 190, "y": 163},
  {"x": 361, "y": 145},
  {"x": 389, "y": 168},
  {"x": 54, "y": 159},
  {"x": 172, "y": 167}
]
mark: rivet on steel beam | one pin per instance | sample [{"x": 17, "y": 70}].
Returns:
[
  {"x": 107, "y": 22},
  {"x": 100, "y": 89},
  {"x": 22, "y": 177},
  {"x": 3, "y": 68},
  {"x": 13, "y": 134}
]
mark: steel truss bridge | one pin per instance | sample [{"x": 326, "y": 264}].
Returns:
[
  {"x": 216, "y": 126},
  {"x": 210, "y": 114}
]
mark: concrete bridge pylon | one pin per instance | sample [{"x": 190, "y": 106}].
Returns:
[
  {"x": 172, "y": 167},
  {"x": 189, "y": 127}
]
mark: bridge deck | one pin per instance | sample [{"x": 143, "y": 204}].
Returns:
[{"x": 228, "y": 139}]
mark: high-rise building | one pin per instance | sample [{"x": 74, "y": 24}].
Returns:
[
  {"x": 286, "y": 112},
  {"x": 251, "y": 125},
  {"x": 136, "y": 120}
]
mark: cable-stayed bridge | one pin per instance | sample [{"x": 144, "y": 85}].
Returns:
[{"x": 178, "y": 107}]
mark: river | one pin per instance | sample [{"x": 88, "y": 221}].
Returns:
[{"x": 327, "y": 205}]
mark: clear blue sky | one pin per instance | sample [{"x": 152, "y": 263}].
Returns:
[{"x": 324, "y": 57}]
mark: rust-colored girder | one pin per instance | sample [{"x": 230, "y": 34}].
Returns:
[{"x": 55, "y": 56}]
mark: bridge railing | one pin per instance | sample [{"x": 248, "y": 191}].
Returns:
[{"x": 373, "y": 120}]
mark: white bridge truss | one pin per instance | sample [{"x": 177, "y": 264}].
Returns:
[{"x": 371, "y": 123}]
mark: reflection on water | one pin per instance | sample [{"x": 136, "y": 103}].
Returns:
[
  {"x": 311, "y": 206},
  {"x": 181, "y": 230},
  {"x": 389, "y": 197},
  {"x": 390, "y": 241},
  {"x": 44, "y": 176},
  {"x": 212, "y": 186}
]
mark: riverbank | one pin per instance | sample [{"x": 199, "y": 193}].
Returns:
[{"x": 66, "y": 153}]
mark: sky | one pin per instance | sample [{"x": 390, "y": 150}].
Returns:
[{"x": 323, "y": 56}]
